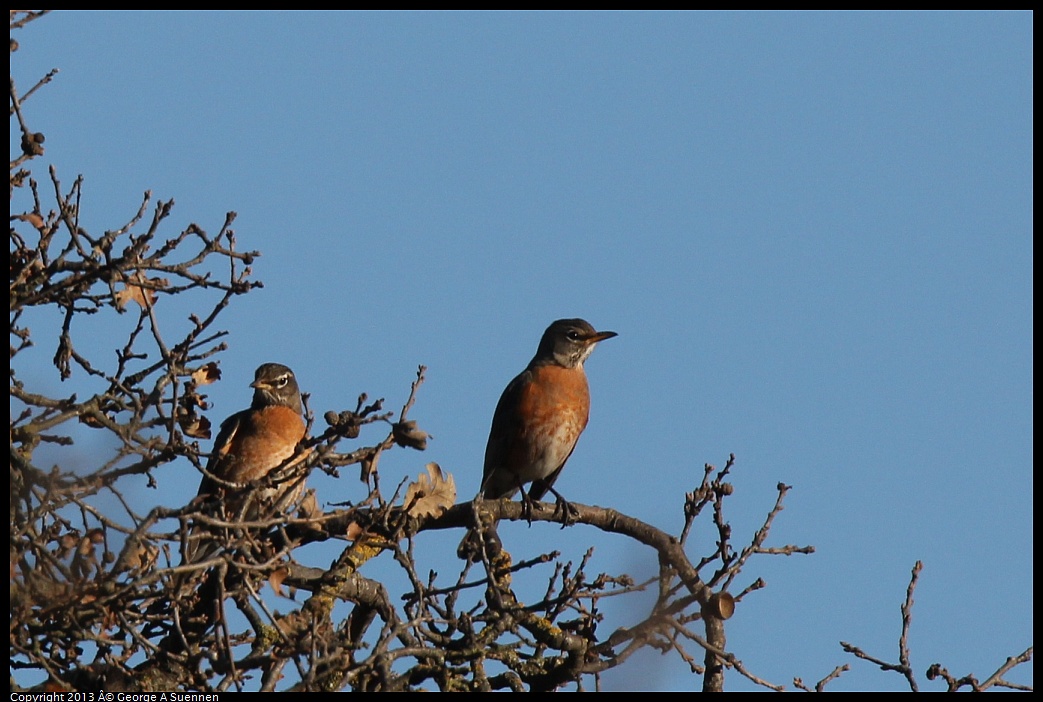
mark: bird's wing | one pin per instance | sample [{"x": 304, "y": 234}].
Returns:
[
  {"x": 498, "y": 479},
  {"x": 222, "y": 445}
]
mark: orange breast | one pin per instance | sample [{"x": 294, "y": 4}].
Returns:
[
  {"x": 554, "y": 408},
  {"x": 262, "y": 442}
]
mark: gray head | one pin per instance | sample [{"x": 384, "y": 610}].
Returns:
[
  {"x": 275, "y": 384},
  {"x": 568, "y": 342}
]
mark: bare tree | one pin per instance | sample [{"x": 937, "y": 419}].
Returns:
[{"x": 105, "y": 599}]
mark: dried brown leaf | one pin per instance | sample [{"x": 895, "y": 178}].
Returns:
[
  {"x": 431, "y": 494},
  {"x": 369, "y": 465},
  {"x": 32, "y": 218},
  {"x": 193, "y": 399},
  {"x": 310, "y": 506},
  {"x": 193, "y": 424},
  {"x": 137, "y": 288},
  {"x": 294, "y": 624},
  {"x": 276, "y": 578},
  {"x": 207, "y": 374},
  {"x": 408, "y": 434},
  {"x": 137, "y": 555}
]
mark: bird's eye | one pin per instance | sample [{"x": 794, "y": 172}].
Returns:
[
  {"x": 572, "y": 335},
  {"x": 281, "y": 381}
]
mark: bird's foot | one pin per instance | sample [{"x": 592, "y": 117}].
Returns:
[
  {"x": 527, "y": 506},
  {"x": 564, "y": 508}
]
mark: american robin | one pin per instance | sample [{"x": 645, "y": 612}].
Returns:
[
  {"x": 253, "y": 443},
  {"x": 540, "y": 415}
]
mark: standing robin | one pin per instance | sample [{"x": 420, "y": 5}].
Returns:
[
  {"x": 250, "y": 445},
  {"x": 540, "y": 416}
]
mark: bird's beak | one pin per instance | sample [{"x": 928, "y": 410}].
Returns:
[
  {"x": 258, "y": 384},
  {"x": 601, "y": 336}
]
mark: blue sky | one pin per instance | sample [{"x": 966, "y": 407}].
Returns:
[{"x": 813, "y": 233}]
